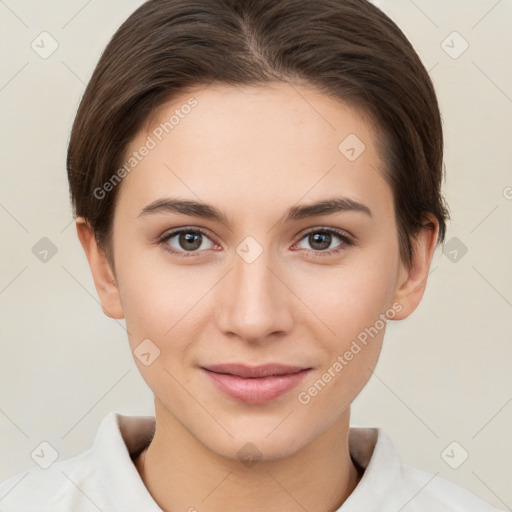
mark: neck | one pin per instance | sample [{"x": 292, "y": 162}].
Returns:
[{"x": 183, "y": 474}]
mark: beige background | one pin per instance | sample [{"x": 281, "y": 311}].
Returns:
[{"x": 444, "y": 374}]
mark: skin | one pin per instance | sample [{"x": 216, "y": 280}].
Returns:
[{"x": 253, "y": 152}]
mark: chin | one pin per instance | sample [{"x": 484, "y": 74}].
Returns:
[
  {"x": 257, "y": 442},
  {"x": 250, "y": 451}
]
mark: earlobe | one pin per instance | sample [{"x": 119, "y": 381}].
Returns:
[
  {"x": 104, "y": 278},
  {"x": 413, "y": 280}
]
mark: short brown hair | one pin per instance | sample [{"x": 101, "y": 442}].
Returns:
[{"x": 348, "y": 49}]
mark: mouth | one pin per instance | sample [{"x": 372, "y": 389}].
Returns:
[{"x": 255, "y": 384}]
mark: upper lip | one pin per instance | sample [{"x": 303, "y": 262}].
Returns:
[{"x": 244, "y": 371}]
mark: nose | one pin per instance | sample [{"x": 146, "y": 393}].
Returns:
[{"x": 255, "y": 301}]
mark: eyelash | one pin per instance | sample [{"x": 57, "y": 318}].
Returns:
[{"x": 342, "y": 235}]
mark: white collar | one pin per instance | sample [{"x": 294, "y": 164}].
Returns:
[{"x": 125, "y": 436}]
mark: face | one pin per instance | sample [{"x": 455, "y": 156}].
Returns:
[{"x": 270, "y": 278}]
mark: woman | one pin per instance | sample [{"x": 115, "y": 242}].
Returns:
[{"x": 257, "y": 188}]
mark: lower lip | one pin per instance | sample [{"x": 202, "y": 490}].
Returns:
[{"x": 255, "y": 390}]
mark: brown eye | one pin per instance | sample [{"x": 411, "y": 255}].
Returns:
[
  {"x": 190, "y": 241},
  {"x": 321, "y": 240},
  {"x": 185, "y": 241}
]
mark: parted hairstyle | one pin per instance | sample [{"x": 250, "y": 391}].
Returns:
[{"x": 347, "y": 49}]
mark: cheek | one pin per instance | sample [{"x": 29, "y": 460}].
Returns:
[
  {"x": 161, "y": 301},
  {"x": 351, "y": 298},
  {"x": 340, "y": 380},
  {"x": 165, "y": 307},
  {"x": 353, "y": 306},
  {"x": 159, "y": 306}
]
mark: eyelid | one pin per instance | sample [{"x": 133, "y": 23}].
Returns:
[
  {"x": 176, "y": 231},
  {"x": 336, "y": 231}
]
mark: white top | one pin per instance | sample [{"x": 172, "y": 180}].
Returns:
[{"x": 105, "y": 478}]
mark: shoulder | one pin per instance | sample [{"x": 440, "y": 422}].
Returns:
[
  {"x": 388, "y": 485},
  {"x": 431, "y": 492},
  {"x": 100, "y": 478},
  {"x": 63, "y": 484}
]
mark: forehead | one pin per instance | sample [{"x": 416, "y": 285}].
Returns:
[{"x": 277, "y": 142}]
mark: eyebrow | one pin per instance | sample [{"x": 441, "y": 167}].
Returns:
[{"x": 295, "y": 213}]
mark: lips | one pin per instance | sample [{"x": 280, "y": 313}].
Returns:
[
  {"x": 255, "y": 384},
  {"x": 248, "y": 372}
]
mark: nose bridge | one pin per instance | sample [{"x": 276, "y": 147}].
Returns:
[{"x": 253, "y": 302}]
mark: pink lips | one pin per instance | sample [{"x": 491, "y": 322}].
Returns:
[{"x": 255, "y": 384}]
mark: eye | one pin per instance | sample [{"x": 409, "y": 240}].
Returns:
[
  {"x": 320, "y": 239},
  {"x": 186, "y": 240}
]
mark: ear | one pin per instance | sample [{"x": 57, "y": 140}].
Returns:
[
  {"x": 413, "y": 280},
  {"x": 104, "y": 277}
]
